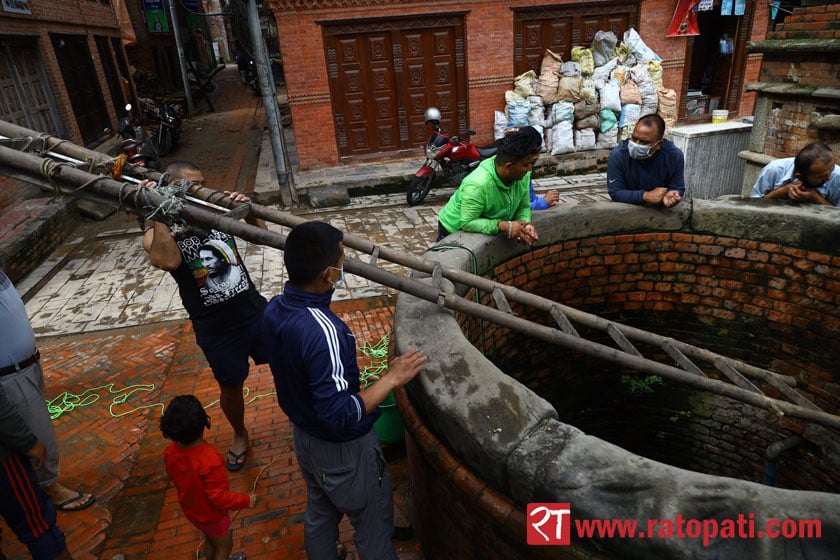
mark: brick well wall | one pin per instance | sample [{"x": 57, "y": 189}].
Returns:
[{"x": 770, "y": 305}]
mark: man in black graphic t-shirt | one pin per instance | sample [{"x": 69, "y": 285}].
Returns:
[{"x": 222, "y": 302}]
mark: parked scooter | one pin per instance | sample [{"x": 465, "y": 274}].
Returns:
[
  {"x": 135, "y": 143},
  {"x": 166, "y": 133},
  {"x": 454, "y": 156}
]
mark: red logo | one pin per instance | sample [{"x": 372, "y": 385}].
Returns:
[{"x": 549, "y": 524}]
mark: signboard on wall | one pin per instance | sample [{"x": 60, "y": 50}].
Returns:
[
  {"x": 17, "y": 7},
  {"x": 193, "y": 17},
  {"x": 156, "y": 21}
]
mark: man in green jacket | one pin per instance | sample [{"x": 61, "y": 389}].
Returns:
[{"x": 495, "y": 198}]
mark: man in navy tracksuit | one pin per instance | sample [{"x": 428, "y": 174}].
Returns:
[{"x": 313, "y": 359}]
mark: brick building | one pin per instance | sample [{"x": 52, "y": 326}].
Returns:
[
  {"x": 61, "y": 65},
  {"x": 798, "y": 90},
  {"x": 360, "y": 74},
  {"x": 154, "y": 56},
  {"x": 63, "y": 72}
]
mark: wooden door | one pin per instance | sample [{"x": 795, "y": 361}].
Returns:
[
  {"x": 82, "y": 85},
  {"x": 25, "y": 95},
  {"x": 112, "y": 77},
  {"x": 561, "y": 27},
  {"x": 383, "y": 75}
]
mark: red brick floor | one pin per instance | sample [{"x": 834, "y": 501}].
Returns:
[{"x": 111, "y": 444}]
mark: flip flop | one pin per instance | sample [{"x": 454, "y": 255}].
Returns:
[
  {"x": 234, "y": 464},
  {"x": 86, "y": 500},
  {"x": 238, "y": 556}
]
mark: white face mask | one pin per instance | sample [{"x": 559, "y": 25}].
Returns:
[
  {"x": 338, "y": 283},
  {"x": 638, "y": 151}
]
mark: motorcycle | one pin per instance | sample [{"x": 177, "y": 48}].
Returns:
[
  {"x": 251, "y": 77},
  {"x": 167, "y": 132},
  {"x": 454, "y": 156},
  {"x": 134, "y": 143}
]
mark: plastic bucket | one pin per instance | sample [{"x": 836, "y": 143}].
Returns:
[
  {"x": 389, "y": 427},
  {"x": 720, "y": 115}
]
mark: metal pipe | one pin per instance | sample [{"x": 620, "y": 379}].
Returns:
[
  {"x": 137, "y": 200},
  {"x": 272, "y": 111},
  {"x": 771, "y": 457},
  {"x": 428, "y": 266},
  {"x": 176, "y": 30}
]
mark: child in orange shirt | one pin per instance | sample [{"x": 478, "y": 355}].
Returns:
[{"x": 198, "y": 472}]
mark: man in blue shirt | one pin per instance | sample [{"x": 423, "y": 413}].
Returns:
[
  {"x": 316, "y": 373},
  {"x": 811, "y": 176},
  {"x": 646, "y": 168}
]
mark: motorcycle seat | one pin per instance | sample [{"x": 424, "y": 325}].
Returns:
[{"x": 487, "y": 151}]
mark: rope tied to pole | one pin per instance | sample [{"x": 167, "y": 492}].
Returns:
[
  {"x": 50, "y": 168},
  {"x": 169, "y": 209}
]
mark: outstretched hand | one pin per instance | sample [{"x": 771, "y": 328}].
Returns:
[{"x": 403, "y": 369}]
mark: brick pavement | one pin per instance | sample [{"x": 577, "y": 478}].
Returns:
[{"x": 103, "y": 316}]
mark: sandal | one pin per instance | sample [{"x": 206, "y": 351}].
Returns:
[
  {"x": 235, "y": 461},
  {"x": 77, "y": 502}
]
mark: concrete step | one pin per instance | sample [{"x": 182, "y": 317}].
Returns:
[{"x": 30, "y": 230}]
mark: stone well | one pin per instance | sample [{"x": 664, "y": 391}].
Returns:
[{"x": 497, "y": 420}]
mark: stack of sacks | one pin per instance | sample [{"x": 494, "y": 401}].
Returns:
[
  {"x": 523, "y": 107},
  {"x": 603, "y": 47},
  {"x": 592, "y": 101},
  {"x": 559, "y": 121},
  {"x": 586, "y": 109},
  {"x": 517, "y": 106}
]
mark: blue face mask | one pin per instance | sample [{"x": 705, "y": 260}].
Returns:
[
  {"x": 638, "y": 151},
  {"x": 340, "y": 280}
]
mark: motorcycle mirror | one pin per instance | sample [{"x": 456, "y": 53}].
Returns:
[{"x": 128, "y": 106}]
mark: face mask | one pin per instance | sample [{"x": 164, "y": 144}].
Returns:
[
  {"x": 637, "y": 151},
  {"x": 340, "y": 280}
]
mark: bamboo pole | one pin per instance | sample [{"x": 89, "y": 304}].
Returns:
[
  {"x": 141, "y": 200},
  {"x": 67, "y": 149}
]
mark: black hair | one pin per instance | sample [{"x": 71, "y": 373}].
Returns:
[
  {"x": 310, "y": 248},
  {"x": 656, "y": 121},
  {"x": 516, "y": 146},
  {"x": 184, "y": 420},
  {"x": 535, "y": 136},
  {"x": 811, "y": 154},
  {"x": 176, "y": 168}
]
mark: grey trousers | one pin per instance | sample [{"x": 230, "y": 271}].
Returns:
[
  {"x": 25, "y": 390},
  {"x": 347, "y": 478}
]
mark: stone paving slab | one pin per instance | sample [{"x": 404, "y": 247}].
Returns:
[
  {"x": 107, "y": 282},
  {"x": 104, "y": 315}
]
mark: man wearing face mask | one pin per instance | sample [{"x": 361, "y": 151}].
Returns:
[
  {"x": 811, "y": 176},
  {"x": 316, "y": 373},
  {"x": 647, "y": 169}
]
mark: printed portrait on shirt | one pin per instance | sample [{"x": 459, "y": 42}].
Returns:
[{"x": 216, "y": 266}]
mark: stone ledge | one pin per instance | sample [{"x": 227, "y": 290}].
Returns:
[{"x": 31, "y": 230}]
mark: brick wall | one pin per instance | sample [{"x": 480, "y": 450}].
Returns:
[
  {"x": 72, "y": 17},
  {"x": 31, "y": 230},
  {"x": 769, "y": 305},
  {"x": 789, "y": 126},
  {"x": 489, "y": 66}
]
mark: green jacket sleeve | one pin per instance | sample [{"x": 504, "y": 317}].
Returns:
[{"x": 473, "y": 202}]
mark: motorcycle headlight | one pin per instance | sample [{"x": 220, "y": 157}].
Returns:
[{"x": 431, "y": 151}]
